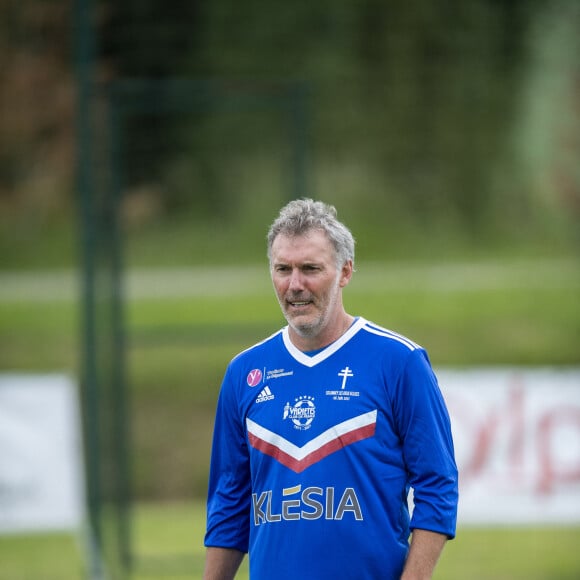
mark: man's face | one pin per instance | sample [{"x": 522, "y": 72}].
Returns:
[{"x": 307, "y": 282}]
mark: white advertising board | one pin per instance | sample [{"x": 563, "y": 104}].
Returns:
[
  {"x": 517, "y": 443},
  {"x": 516, "y": 434},
  {"x": 41, "y": 482}
]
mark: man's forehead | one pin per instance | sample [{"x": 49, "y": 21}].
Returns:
[{"x": 314, "y": 244}]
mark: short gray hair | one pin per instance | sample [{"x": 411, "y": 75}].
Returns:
[{"x": 303, "y": 215}]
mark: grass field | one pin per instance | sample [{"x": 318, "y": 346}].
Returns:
[
  {"x": 184, "y": 325},
  {"x": 168, "y": 546}
]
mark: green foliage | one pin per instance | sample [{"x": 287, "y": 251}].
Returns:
[
  {"x": 421, "y": 106},
  {"x": 419, "y": 120}
]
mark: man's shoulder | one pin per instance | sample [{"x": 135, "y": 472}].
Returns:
[
  {"x": 259, "y": 348},
  {"x": 388, "y": 338}
]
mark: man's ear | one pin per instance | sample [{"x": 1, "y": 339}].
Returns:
[{"x": 346, "y": 273}]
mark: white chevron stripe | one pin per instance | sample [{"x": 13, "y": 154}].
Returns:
[
  {"x": 331, "y": 434},
  {"x": 392, "y": 335}
]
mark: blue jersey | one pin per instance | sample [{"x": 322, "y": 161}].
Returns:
[{"x": 313, "y": 456}]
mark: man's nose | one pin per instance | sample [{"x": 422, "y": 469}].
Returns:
[{"x": 296, "y": 281}]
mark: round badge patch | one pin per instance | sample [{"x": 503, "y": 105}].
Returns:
[{"x": 254, "y": 377}]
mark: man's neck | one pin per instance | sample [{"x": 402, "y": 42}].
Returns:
[{"x": 322, "y": 339}]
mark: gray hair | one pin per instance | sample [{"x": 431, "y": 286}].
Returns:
[{"x": 303, "y": 215}]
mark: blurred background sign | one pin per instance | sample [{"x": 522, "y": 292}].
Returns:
[
  {"x": 41, "y": 465},
  {"x": 517, "y": 442}
]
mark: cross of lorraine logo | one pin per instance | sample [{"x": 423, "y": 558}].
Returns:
[{"x": 345, "y": 373}]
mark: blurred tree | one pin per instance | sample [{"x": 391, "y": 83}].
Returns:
[
  {"x": 421, "y": 94},
  {"x": 548, "y": 121},
  {"x": 413, "y": 104},
  {"x": 36, "y": 107},
  {"x": 147, "y": 39},
  {"x": 440, "y": 83}
]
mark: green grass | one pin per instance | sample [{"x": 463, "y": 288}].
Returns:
[
  {"x": 510, "y": 323},
  {"x": 178, "y": 345},
  {"x": 41, "y": 557},
  {"x": 167, "y": 543}
]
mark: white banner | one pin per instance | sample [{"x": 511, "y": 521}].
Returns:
[
  {"x": 516, "y": 434},
  {"x": 41, "y": 482},
  {"x": 517, "y": 444}
]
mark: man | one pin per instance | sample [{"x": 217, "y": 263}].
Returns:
[{"x": 322, "y": 428}]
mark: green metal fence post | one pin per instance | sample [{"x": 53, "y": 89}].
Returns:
[
  {"x": 84, "y": 53},
  {"x": 121, "y": 416}
]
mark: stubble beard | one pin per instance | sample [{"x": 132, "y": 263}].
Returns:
[
  {"x": 315, "y": 323},
  {"x": 306, "y": 329}
]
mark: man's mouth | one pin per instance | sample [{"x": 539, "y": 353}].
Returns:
[{"x": 299, "y": 303}]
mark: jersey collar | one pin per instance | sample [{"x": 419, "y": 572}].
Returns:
[{"x": 311, "y": 361}]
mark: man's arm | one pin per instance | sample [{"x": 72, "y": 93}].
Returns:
[
  {"x": 426, "y": 547},
  {"x": 222, "y": 563}
]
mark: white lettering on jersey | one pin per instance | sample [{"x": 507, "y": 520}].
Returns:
[{"x": 311, "y": 504}]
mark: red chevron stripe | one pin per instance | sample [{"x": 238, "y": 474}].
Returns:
[{"x": 299, "y": 465}]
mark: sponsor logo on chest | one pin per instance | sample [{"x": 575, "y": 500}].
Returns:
[{"x": 310, "y": 503}]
